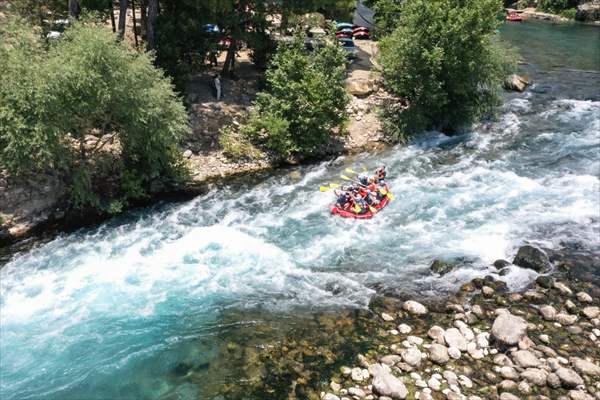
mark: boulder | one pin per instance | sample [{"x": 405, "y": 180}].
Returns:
[
  {"x": 454, "y": 338},
  {"x": 441, "y": 267},
  {"x": 545, "y": 281},
  {"x": 588, "y": 12},
  {"x": 516, "y": 83},
  {"x": 438, "y": 354},
  {"x": 532, "y": 258},
  {"x": 585, "y": 367},
  {"x": 535, "y": 376},
  {"x": 508, "y": 329},
  {"x": 414, "y": 307},
  {"x": 360, "y": 87},
  {"x": 525, "y": 359},
  {"x": 386, "y": 384},
  {"x": 568, "y": 378},
  {"x": 500, "y": 264},
  {"x": 548, "y": 312}
]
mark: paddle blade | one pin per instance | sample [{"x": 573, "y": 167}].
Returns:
[
  {"x": 363, "y": 168},
  {"x": 334, "y": 185},
  {"x": 323, "y": 188},
  {"x": 391, "y": 196},
  {"x": 383, "y": 191},
  {"x": 344, "y": 177},
  {"x": 351, "y": 171},
  {"x": 373, "y": 209}
]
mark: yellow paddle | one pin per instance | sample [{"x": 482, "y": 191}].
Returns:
[
  {"x": 331, "y": 186},
  {"x": 351, "y": 171}
]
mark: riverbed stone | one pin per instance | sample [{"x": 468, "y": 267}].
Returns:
[
  {"x": 531, "y": 258},
  {"x": 438, "y": 354},
  {"x": 387, "y": 317},
  {"x": 584, "y": 297},
  {"x": 508, "y": 396},
  {"x": 565, "y": 319},
  {"x": 563, "y": 288},
  {"x": 390, "y": 359},
  {"x": 579, "y": 395},
  {"x": 548, "y": 312},
  {"x": 568, "y": 378},
  {"x": 437, "y": 334},
  {"x": 386, "y": 384},
  {"x": 508, "y": 329},
  {"x": 404, "y": 329},
  {"x": 411, "y": 356},
  {"x": 585, "y": 367},
  {"x": 354, "y": 391},
  {"x": 454, "y": 338},
  {"x": 509, "y": 373},
  {"x": 591, "y": 312},
  {"x": 454, "y": 353},
  {"x": 545, "y": 281},
  {"x": 414, "y": 307},
  {"x": 330, "y": 396},
  {"x": 535, "y": 376},
  {"x": 525, "y": 359}
]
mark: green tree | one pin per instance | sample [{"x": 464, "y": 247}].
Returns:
[
  {"x": 387, "y": 15},
  {"x": 304, "y": 101},
  {"x": 90, "y": 109},
  {"x": 445, "y": 59}
]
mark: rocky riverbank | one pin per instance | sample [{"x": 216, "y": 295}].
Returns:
[{"x": 481, "y": 343}]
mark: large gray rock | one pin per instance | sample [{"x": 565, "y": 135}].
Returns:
[
  {"x": 535, "y": 376},
  {"x": 525, "y": 359},
  {"x": 386, "y": 384},
  {"x": 414, "y": 307},
  {"x": 411, "y": 356},
  {"x": 508, "y": 329},
  {"x": 532, "y": 258},
  {"x": 454, "y": 338},
  {"x": 588, "y": 12},
  {"x": 585, "y": 367},
  {"x": 568, "y": 378},
  {"x": 361, "y": 87},
  {"x": 438, "y": 354}
]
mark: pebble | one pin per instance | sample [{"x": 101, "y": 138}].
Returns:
[
  {"x": 387, "y": 317},
  {"x": 525, "y": 359},
  {"x": 437, "y": 334},
  {"x": 404, "y": 329},
  {"x": 439, "y": 354},
  {"x": 584, "y": 297},
  {"x": 566, "y": 319},
  {"x": 569, "y": 378},
  {"x": 548, "y": 312},
  {"x": 454, "y": 353}
]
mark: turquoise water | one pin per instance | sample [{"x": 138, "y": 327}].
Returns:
[{"x": 108, "y": 313}]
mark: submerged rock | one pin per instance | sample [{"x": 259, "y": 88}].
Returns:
[
  {"x": 532, "y": 258},
  {"x": 516, "y": 82},
  {"x": 441, "y": 267}
]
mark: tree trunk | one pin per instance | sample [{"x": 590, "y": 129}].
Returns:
[
  {"x": 143, "y": 17},
  {"x": 151, "y": 24},
  {"x": 229, "y": 65},
  {"x": 135, "y": 35},
  {"x": 111, "y": 5},
  {"x": 122, "y": 17},
  {"x": 74, "y": 8}
]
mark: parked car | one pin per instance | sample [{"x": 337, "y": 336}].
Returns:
[
  {"x": 342, "y": 25},
  {"x": 350, "y": 47},
  {"x": 361, "y": 33},
  {"x": 343, "y": 35}
]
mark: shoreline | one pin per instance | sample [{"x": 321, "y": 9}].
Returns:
[{"x": 482, "y": 342}]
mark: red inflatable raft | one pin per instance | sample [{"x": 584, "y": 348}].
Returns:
[{"x": 369, "y": 214}]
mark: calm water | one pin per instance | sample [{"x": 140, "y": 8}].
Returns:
[{"x": 109, "y": 312}]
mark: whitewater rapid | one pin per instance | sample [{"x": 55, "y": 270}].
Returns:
[{"x": 108, "y": 312}]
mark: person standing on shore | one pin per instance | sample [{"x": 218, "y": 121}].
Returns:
[{"x": 217, "y": 83}]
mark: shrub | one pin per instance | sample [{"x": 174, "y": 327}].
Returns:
[
  {"x": 61, "y": 109},
  {"x": 569, "y": 13},
  {"x": 445, "y": 60},
  {"x": 305, "y": 99}
]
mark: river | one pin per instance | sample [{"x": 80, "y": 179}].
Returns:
[{"x": 110, "y": 312}]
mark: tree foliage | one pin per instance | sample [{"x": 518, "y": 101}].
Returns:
[
  {"x": 304, "y": 101},
  {"x": 61, "y": 109},
  {"x": 445, "y": 59},
  {"x": 387, "y": 15}
]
